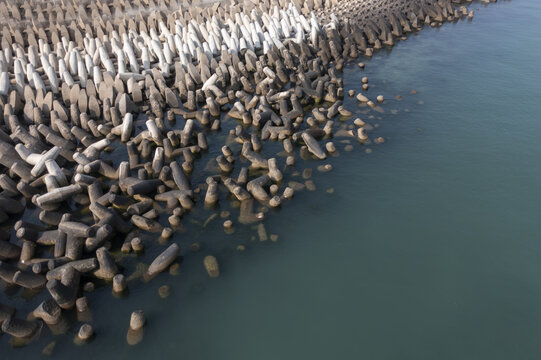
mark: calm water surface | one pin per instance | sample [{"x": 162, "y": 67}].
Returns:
[{"x": 428, "y": 248}]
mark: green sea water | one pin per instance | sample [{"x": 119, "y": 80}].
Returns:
[{"x": 429, "y": 247}]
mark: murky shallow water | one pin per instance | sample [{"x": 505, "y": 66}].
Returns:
[{"x": 428, "y": 248}]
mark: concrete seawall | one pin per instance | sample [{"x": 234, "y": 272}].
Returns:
[{"x": 157, "y": 82}]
